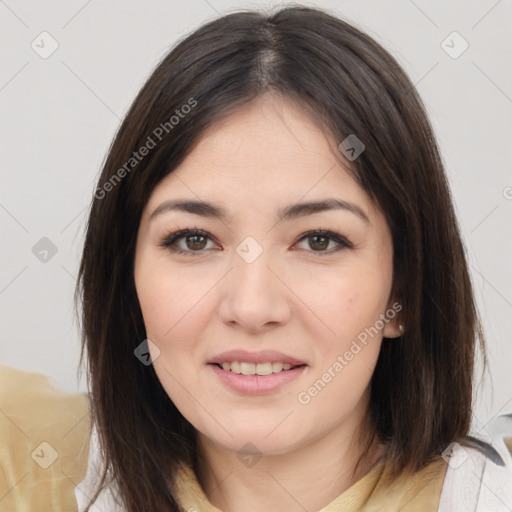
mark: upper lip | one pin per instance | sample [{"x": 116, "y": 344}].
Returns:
[{"x": 262, "y": 356}]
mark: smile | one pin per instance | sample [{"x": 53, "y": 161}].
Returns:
[
  {"x": 245, "y": 368},
  {"x": 252, "y": 383}
]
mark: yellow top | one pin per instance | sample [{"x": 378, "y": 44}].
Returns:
[
  {"x": 372, "y": 493},
  {"x": 44, "y": 454}
]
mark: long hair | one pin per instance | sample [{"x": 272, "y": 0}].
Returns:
[{"x": 421, "y": 390}]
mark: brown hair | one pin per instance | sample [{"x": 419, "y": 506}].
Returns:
[{"x": 421, "y": 390}]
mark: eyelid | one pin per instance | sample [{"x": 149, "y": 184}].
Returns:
[
  {"x": 333, "y": 235},
  {"x": 170, "y": 240}
]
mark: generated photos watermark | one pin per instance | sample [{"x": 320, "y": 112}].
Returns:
[
  {"x": 304, "y": 397},
  {"x": 157, "y": 135}
]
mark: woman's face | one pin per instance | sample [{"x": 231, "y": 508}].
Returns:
[{"x": 254, "y": 291}]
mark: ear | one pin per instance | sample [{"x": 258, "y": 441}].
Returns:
[{"x": 394, "y": 327}]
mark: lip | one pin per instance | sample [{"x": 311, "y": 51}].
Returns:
[
  {"x": 262, "y": 356},
  {"x": 256, "y": 384}
]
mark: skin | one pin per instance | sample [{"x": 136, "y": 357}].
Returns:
[{"x": 305, "y": 301}]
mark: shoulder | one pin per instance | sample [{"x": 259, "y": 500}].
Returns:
[
  {"x": 470, "y": 476},
  {"x": 410, "y": 491},
  {"x": 478, "y": 478},
  {"x": 48, "y": 439}
]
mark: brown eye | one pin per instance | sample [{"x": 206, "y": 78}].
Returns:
[
  {"x": 319, "y": 240},
  {"x": 197, "y": 242}
]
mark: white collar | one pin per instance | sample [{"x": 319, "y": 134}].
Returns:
[{"x": 475, "y": 481}]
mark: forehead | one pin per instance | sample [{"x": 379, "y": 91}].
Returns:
[
  {"x": 270, "y": 151},
  {"x": 269, "y": 134}
]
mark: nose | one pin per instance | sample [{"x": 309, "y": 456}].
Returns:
[{"x": 255, "y": 296}]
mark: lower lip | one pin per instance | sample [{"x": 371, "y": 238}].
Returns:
[{"x": 257, "y": 384}]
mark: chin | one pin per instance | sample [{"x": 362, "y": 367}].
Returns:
[{"x": 262, "y": 441}]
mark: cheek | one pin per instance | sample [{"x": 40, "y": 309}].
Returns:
[
  {"x": 345, "y": 360},
  {"x": 344, "y": 307},
  {"x": 174, "y": 319},
  {"x": 170, "y": 301}
]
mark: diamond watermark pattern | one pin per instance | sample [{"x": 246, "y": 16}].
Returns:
[
  {"x": 44, "y": 250},
  {"x": 45, "y": 455},
  {"x": 249, "y": 249},
  {"x": 249, "y": 455},
  {"x": 455, "y": 455},
  {"x": 454, "y": 45},
  {"x": 351, "y": 147},
  {"x": 44, "y": 45},
  {"x": 143, "y": 354}
]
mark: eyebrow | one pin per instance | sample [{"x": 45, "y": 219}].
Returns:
[{"x": 285, "y": 214}]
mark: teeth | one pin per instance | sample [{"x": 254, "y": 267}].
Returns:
[
  {"x": 277, "y": 367},
  {"x": 247, "y": 368},
  {"x": 263, "y": 368},
  {"x": 244, "y": 368}
]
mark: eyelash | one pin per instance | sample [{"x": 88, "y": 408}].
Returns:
[{"x": 170, "y": 240}]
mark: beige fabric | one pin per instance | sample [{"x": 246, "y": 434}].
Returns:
[{"x": 34, "y": 476}]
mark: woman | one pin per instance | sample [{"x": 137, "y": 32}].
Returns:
[{"x": 277, "y": 310}]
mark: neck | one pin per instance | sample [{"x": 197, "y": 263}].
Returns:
[{"x": 307, "y": 478}]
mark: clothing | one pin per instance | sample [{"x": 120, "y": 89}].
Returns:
[
  {"x": 369, "y": 494},
  {"x": 469, "y": 482},
  {"x": 475, "y": 483},
  {"x": 50, "y": 462},
  {"x": 44, "y": 443}
]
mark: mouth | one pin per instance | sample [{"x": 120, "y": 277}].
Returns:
[
  {"x": 252, "y": 379},
  {"x": 256, "y": 373},
  {"x": 261, "y": 369}
]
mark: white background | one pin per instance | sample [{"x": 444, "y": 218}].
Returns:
[{"x": 59, "y": 114}]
